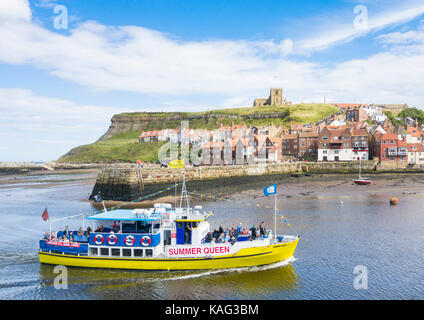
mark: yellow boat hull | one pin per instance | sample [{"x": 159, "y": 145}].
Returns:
[{"x": 248, "y": 257}]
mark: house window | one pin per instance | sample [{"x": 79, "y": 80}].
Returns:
[
  {"x": 391, "y": 141},
  {"x": 384, "y": 141},
  {"x": 346, "y": 138},
  {"x": 346, "y": 144},
  {"x": 324, "y": 138},
  {"x": 324, "y": 145}
]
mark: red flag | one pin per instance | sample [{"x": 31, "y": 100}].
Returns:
[{"x": 45, "y": 214}]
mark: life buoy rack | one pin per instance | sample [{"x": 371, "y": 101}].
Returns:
[
  {"x": 112, "y": 239},
  {"x": 146, "y": 241},
  {"x": 98, "y": 239},
  {"x": 129, "y": 240}
]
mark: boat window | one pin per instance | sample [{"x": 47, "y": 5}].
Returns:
[
  {"x": 194, "y": 224},
  {"x": 128, "y": 227},
  {"x": 143, "y": 227},
  {"x": 149, "y": 252},
  {"x": 138, "y": 252},
  {"x": 94, "y": 251},
  {"x": 104, "y": 251},
  {"x": 126, "y": 252},
  {"x": 116, "y": 252},
  {"x": 179, "y": 224}
]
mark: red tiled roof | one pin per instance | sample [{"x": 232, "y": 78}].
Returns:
[
  {"x": 147, "y": 134},
  {"x": 418, "y": 147},
  {"x": 414, "y": 131},
  {"x": 388, "y": 136},
  {"x": 359, "y": 132},
  {"x": 290, "y": 136}
]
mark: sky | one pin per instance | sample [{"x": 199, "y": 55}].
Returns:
[{"x": 67, "y": 66}]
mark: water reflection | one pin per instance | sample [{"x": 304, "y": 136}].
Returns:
[{"x": 243, "y": 283}]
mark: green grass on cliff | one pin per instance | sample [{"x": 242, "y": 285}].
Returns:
[{"x": 124, "y": 146}]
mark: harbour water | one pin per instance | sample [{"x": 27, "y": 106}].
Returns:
[{"x": 341, "y": 226}]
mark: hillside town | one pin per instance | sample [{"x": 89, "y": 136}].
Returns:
[{"x": 356, "y": 132}]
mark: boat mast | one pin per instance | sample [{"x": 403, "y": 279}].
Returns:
[{"x": 184, "y": 194}]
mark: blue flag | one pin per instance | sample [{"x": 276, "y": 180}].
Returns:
[{"x": 270, "y": 190}]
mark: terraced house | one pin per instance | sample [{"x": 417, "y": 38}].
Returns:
[
  {"x": 343, "y": 144},
  {"x": 391, "y": 151}
]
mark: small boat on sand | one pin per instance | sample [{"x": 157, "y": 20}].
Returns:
[{"x": 361, "y": 180}]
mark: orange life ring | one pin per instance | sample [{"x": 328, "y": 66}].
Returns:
[
  {"x": 144, "y": 239},
  {"x": 112, "y": 239},
  {"x": 98, "y": 239},
  {"x": 129, "y": 240}
]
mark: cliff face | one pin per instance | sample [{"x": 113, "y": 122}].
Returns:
[
  {"x": 148, "y": 121},
  {"x": 123, "y": 123}
]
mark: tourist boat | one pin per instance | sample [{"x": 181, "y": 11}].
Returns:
[
  {"x": 163, "y": 238},
  {"x": 361, "y": 180}
]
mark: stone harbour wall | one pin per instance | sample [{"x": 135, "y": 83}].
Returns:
[{"x": 114, "y": 183}]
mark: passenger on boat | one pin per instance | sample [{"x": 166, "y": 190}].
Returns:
[
  {"x": 115, "y": 226},
  {"x": 80, "y": 232},
  {"x": 216, "y": 234},
  {"x": 208, "y": 238},
  {"x": 244, "y": 232},
  {"x": 87, "y": 233},
  {"x": 187, "y": 233},
  {"x": 221, "y": 229},
  {"x": 66, "y": 232},
  {"x": 221, "y": 238},
  {"x": 239, "y": 228},
  {"x": 60, "y": 234},
  {"x": 52, "y": 236},
  {"x": 253, "y": 233},
  {"x": 262, "y": 230},
  {"x": 100, "y": 229},
  {"x": 46, "y": 236}
]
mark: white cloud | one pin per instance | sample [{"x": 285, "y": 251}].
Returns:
[
  {"x": 338, "y": 34},
  {"x": 15, "y": 10},
  {"x": 137, "y": 59},
  {"x": 43, "y": 128}
]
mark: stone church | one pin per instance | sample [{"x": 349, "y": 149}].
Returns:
[{"x": 275, "y": 99}]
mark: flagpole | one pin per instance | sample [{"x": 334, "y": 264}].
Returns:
[{"x": 275, "y": 213}]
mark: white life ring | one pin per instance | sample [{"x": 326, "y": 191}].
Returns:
[
  {"x": 129, "y": 240},
  {"x": 112, "y": 239},
  {"x": 144, "y": 239},
  {"x": 98, "y": 239}
]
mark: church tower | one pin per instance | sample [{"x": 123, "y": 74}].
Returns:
[{"x": 276, "y": 97}]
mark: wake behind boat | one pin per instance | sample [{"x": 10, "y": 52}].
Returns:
[{"x": 164, "y": 238}]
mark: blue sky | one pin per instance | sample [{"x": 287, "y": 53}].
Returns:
[{"x": 59, "y": 87}]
